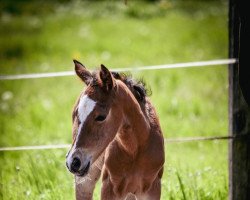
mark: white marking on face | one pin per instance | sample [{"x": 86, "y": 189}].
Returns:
[
  {"x": 69, "y": 158},
  {"x": 85, "y": 107}
]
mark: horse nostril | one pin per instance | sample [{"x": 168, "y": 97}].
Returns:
[{"x": 75, "y": 165}]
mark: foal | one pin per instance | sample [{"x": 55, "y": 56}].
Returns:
[{"x": 116, "y": 133}]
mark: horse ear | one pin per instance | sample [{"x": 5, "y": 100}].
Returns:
[
  {"x": 82, "y": 72},
  {"x": 107, "y": 78}
]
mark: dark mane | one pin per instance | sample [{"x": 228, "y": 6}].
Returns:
[{"x": 137, "y": 87}]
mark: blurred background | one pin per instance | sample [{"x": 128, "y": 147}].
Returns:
[{"x": 44, "y": 36}]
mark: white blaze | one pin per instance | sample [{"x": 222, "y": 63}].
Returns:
[{"x": 85, "y": 107}]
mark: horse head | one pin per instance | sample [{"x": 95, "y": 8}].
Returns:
[{"x": 95, "y": 118}]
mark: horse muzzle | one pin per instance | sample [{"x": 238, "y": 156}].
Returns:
[{"x": 78, "y": 163}]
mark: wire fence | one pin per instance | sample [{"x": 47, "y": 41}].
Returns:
[
  {"x": 155, "y": 67},
  {"x": 167, "y": 140},
  {"x": 133, "y": 69}
]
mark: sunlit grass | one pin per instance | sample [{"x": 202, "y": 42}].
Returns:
[
  {"x": 192, "y": 170},
  {"x": 189, "y": 102}
]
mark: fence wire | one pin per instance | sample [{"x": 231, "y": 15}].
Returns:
[
  {"x": 167, "y": 140},
  {"x": 144, "y": 68}
]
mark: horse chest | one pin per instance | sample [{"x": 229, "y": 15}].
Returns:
[
  {"x": 129, "y": 174},
  {"x": 133, "y": 182}
]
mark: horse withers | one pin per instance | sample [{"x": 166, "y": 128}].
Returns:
[{"x": 116, "y": 135}]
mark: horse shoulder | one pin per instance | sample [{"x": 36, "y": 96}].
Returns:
[{"x": 152, "y": 157}]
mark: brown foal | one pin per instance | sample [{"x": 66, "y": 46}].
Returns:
[{"x": 116, "y": 134}]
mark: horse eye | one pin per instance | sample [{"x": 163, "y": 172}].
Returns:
[{"x": 100, "y": 118}]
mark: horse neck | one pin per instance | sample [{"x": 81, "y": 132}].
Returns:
[{"x": 134, "y": 129}]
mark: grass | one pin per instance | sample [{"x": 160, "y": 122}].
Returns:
[{"x": 44, "y": 36}]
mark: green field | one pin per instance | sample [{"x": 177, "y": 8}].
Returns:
[{"x": 44, "y": 36}]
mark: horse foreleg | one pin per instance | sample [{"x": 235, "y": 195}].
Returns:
[
  {"x": 154, "y": 193},
  {"x": 108, "y": 190},
  {"x": 84, "y": 186}
]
